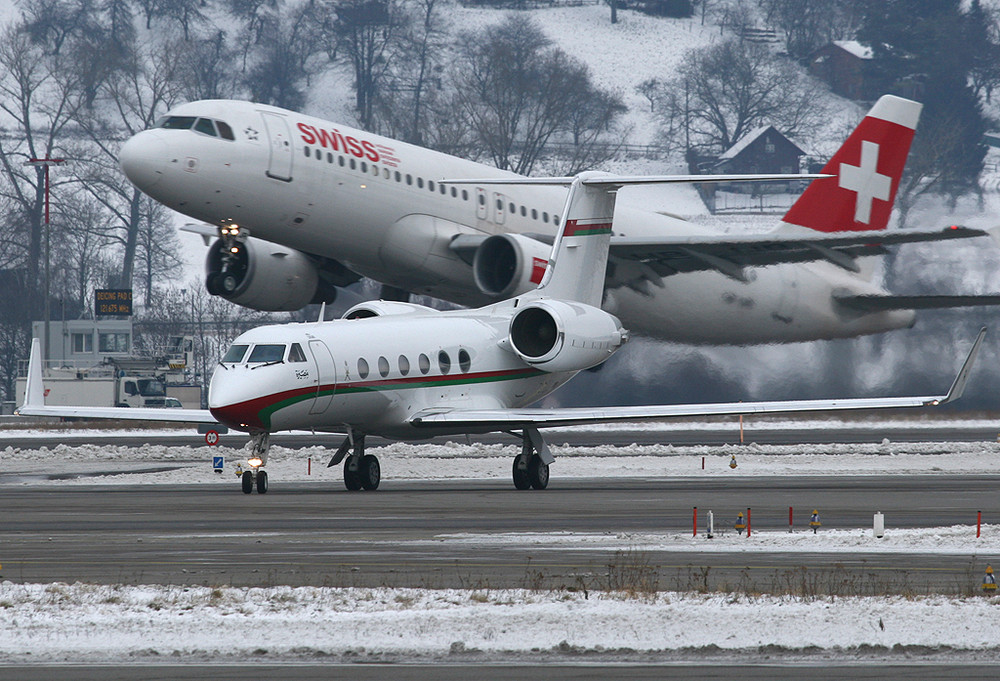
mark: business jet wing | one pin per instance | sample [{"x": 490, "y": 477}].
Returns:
[
  {"x": 731, "y": 254},
  {"x": 508, "y": 419},
  {"x": 34, "y": 403}
]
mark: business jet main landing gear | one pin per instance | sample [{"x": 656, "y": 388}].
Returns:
[
  {"x": 256, "y": 476},
  {"x": 531, "y": 466},
  {"x": 361, "y": 471}
]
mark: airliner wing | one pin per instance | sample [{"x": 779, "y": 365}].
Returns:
[
  {"x": 730, "y": 254},
  {"x": 504, "y": 419},
  {"x": 34, "y": 403}
]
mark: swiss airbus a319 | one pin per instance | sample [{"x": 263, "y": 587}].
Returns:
[
  {"x": 409, "y": 372},
  {"x": 300, "y": 206}
]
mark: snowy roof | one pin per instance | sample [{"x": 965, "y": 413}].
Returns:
[
  {"x": 854, "y": 47},
  {"x": 748, "y": 139}
]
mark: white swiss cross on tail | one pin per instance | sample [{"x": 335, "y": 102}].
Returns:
[
  {"x": 868, "y": 167},
  {"x": 866, "y": 181}
]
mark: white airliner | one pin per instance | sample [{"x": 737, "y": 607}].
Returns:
[
  {"x": 410, "y": 372},
  {"x": 303, "y": 205}
]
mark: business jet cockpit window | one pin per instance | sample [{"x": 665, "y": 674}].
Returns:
[
  {"x": 266, "y": 353},
  {"x": 235, "y": 354}
]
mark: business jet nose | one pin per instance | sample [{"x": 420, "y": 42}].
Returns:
[{"x": 143, "y": 158}]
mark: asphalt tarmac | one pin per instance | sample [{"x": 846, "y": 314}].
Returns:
[{"x": 322, "y": 535}]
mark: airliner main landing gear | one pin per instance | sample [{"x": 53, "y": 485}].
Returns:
[
  {"x": 256, "y": 476},
  {"x": 361, "y": 471},
  {"x": 531, "y": 466}
]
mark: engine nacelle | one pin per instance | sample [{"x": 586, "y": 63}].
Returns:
[
  {"x": 556, "y": 335},
  {"x": 385, "y": 308},
  {"x": 261, "y": 275},
  {"x": 507, "y": 265}
]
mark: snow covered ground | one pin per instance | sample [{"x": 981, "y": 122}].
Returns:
[
  {"x": 84, "y": 623},
  {"x": 88, "y": 623}
]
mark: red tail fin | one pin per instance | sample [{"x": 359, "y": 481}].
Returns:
[{"x": 868, "y": 167}]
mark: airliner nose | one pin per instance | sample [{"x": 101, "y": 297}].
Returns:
[{"x": 143, "y": 159}]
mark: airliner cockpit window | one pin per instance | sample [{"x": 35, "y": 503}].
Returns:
[
  {"x": 225, "y": 131},
  {"x": 296, "y": 354},
  {"x": 205, "y": 127},
  {"x": 177, "y": 122},
  {"x": 235, "y": 354},
  {"x": 267, "y": 353}
]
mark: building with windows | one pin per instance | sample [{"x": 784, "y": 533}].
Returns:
[{"x": 86, "y": 342}]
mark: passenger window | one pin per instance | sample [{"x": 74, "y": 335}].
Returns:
[
  {"x": 524, "y": 211},
  {"x": 205, "y": 127},
  {"x": 385, "y": 173},
  {"x": 329, "y": 157},
  {"x": 545, "y": 217},
  {"x": 224, "y": 130},
  {"x": 454, "y": 193},
  {"x": 555, "y": 219},
  {"x": 464, "y": 361},
  {"x": 267, "y": 353},
  {"x": 340, "y": 160},
  {"x": 534, "y": 213},
  {"x": 399, "y": 176},
  {"x": 465, "y": 194},
  {"x": 319, "y": 155},
  {"x": 404, "y": 365},
  {"x": 499, "y": 204},
  {"x": 425, "y": 363},
  {"x": 512, "y": 208},
  {"x": 235, "y": 354},
  {"x": 305, "y": 150},
  {"x": 364, "y": 167},
  {"x": 420, "y": 182},
  {"x": 430, "y": 185},
  {"x": 362, "y": 368},
  {"x": 444, "y": 362},
  {"x": 383, "y": 367},
  {"x": 354, "y": 164},
  {"x": 178, "y": 122},
  {"x": 409, "y": 179}
]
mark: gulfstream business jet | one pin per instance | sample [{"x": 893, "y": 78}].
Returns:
[
  {"x": 409, "y": 372},
  {"x": 299, "y": 205}
]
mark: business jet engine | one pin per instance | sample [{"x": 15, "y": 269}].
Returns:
[
  {"x": 507, "y": 265},
  {"x": 556, "y": 335},
  {"x": 264, "y": 276}
]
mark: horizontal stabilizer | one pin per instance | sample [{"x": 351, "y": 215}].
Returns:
[{"x": 877, "y": 303}]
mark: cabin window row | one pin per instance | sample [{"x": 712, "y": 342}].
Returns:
[
  {"x": 404, "y": 367},
  {"x": 431, "y": 185}
]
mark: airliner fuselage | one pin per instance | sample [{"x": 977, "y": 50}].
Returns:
[{"x": 377, "y": 206}]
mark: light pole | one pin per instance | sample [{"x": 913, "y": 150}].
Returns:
[{"x": 45, "y": 163}]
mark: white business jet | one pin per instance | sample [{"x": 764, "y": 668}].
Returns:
[
  {"x": 410, "y": 372},
  {"x": 297, "y": 205}
]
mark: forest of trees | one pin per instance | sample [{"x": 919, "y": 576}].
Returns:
[{"x": 78, "y": 77}]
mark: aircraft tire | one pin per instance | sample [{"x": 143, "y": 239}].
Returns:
[
  {"x": 262, "y": 482},
  {"x": 522, "y": 479},
  {"x": 370, "y": 472},
  {"x": 247, "y": 481},
  {"x": 538, "y": 473},
  {"x": 352, "y": 479}
]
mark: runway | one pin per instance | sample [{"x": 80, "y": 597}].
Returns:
[{"x": 437, "y": 533}]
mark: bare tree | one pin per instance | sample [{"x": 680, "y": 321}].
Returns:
[
  {"x": 516, "y": 92},
  {"x": 807, "y": 26},
  {"x": 286, "y": 57},
  {"x": 366, "y": 33},
  {"x": 724, "y": 91}
]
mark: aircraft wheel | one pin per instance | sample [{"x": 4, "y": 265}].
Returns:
[
  {"x": 247, "y": 481},
  {"x": 261, "y": 482},
  {"x": 370, "y": 472},
  {"x": 538, "y": 473},
  {"x": 520, "y": 471},
  {"x": 352, "y": 479}
]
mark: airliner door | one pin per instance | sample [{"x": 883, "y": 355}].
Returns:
[
  {"x": 499, "y": 205},
  {"x": 482, "y": 210},
  {"x": 279, "y": 165},
  {"x": 326, "y": 376}
]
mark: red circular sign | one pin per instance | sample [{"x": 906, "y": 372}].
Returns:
[{"x": 212, "y": 438}]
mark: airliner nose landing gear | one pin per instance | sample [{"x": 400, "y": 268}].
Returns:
[
  {"x": 256, "y": 476},
  {"x": 531, "y": 466},
  {"x": 361, "y": 471}
]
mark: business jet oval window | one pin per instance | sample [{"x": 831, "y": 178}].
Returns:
[
  {"x": 267, "y": 353},
  {"x": 235, "y": 354},
  {"x": 362, "y": 368},
  {"x": 464, "y": 361},
  {"x": 404, "y": 365},
  {"x": 444, "y": 362},
  {"x": 383, "y": 367},
  {"x": 424, "y": 362}
]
